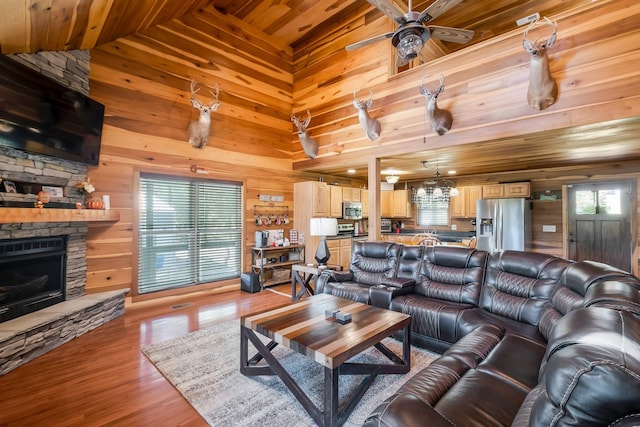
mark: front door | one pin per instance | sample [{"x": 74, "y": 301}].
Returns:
[{"x": 600, "y": 222}]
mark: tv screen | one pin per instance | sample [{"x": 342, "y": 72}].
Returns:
[{"x": 38, "y": 115}]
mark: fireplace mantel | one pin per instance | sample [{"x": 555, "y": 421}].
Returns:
[{"x": 26, "y": 215}]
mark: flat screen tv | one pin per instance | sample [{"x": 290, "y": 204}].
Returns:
[{"x": 38, "y": 115}]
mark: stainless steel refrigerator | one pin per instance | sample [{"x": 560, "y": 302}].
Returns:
[{"x": 503, "y": 224}]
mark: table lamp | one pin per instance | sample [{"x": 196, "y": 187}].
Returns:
[{"x": 323, "y": 227}]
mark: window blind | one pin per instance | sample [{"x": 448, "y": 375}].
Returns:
[
  {"x": 190, "y": 232},
  {"x": 431, "y": 210}
]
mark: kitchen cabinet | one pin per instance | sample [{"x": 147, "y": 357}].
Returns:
[
  {"x": 386, "y": 203},
  {"x": 364, "y": 199},
  {"x": 310, "y": 200},
  {"x": 473, "y": 194},
  {"x": 314, "y": 196},
  {"x": 335, "y": 201},
  {"x": 464, "y": 204},
  {"x": 340, "y": 250},
  {"x": 458, "y": 205},
  {"x": 401, "y": 204},
  {"x": 501, "y": 191},
  {"x": 517, "y": 189},
  {"x": 351, "y": 194}
]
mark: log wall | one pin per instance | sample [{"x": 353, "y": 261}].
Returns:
[
  {"x": 595, "y": 60},
  {"x": 144, "y": 82}
]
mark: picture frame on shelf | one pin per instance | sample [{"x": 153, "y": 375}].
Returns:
[
  {"x": 53, "y": 191},
  {"x": 9, "y": 187}
]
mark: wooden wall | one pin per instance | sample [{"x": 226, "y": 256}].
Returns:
[
  {"x": 144, "y": 82},
  {"x": 596, "y": 61}
]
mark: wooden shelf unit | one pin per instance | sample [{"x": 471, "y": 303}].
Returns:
[{"x": 274, "y": 252}]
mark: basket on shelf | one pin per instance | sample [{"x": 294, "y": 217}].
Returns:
[{"x": 280, "y": 274}]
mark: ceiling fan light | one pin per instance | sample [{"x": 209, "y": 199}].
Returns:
[
  {"x": 421, "y": 192},
  {"x": 410, "y": 45},
  {"x": 454, "y": 192},
  {"x": 437, "y": 192}
]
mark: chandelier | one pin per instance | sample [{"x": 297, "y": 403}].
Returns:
[
  {"x": 437, "y": 190},
  {"x": 392, "y": 179}
]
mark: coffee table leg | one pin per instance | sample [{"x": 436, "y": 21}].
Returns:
[{"x": 331, "y": 397}]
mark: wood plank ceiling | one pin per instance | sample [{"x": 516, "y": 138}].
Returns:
[{"x": 51, "y": 25}]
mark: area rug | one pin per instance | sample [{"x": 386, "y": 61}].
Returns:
[{"x": 205, "y": 367}]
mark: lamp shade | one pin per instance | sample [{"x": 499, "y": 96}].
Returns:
[{"x": 323, "y": 226}]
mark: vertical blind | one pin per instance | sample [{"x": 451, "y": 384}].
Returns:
[{"x": 190, "y": 232}]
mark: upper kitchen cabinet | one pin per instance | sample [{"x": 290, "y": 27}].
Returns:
[
  {"x": 401, "y": 204},
  {"x": 509, "y": 190},
  {"x": 313, "y": 196},
  {"x": 335, "y": 201},
  {"x": 386, "y": 203},
  {"x": 464, "y": 204},
  {"x": 351, "y": 194}
]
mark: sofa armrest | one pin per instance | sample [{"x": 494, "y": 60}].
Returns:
[
  {"x": 397, "y": 282},
  {"x": 381, "y": 295},
  {"x": 331, "y": 276},
  {"x": 338, "y": 276},
  {"x": 405, "y": 410}
]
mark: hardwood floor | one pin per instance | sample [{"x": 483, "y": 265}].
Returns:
[{"x": 102, "y": 378}]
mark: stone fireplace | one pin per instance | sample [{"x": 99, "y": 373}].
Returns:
[{"x": 26, "y": 333}]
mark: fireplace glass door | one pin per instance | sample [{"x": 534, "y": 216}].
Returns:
[{"x": 32, "y": 275}]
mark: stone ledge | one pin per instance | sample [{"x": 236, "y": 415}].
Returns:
[{"x": 34, "y": 334}]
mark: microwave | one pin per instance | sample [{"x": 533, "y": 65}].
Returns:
[
  {"x": 351, "y": 210},
  {"x": 385, "y": 225}
]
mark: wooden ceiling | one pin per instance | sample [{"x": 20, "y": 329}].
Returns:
[{"x": 50, "y": 25}]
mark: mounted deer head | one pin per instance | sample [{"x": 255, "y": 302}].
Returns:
[
  {"x": 309, "y": 145},
  {"x": 371, "y": 126},
  {"x": 543, "y": 89},
  {"x": 199, "y": 129},
  {"x": 440, "y": 120}
]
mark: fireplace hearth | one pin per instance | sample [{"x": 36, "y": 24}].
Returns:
[{"x": 32, "y": 274}]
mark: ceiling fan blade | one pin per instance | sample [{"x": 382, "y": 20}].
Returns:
[
  {"x": 448, "y": 34},
  {"x": 389, "y": 8},
  {"x": 366, "y": 42},
  {"x": 436, "y": 9}
]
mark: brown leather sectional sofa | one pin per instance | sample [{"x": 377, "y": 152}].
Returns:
[{"x": 526, "y": 339}]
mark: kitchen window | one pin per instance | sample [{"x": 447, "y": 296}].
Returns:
[
  {"x": 431, "y": 214},
  {"x": 190, "y": 232}
]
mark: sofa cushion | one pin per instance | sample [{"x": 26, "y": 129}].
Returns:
[
  {"x": 470, "y": 319},
  {"x": 518, "y": 284},
  {"x": 452, "y": 274},
  {"x": 410, "y": 262},
  {"x": 433, "y": 321},
  {"x": 373, "y": 261}
]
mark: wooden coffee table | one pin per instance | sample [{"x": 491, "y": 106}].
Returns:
[{"x": 303, "y": 327}]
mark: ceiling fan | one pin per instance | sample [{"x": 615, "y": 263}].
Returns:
[{"x": 412, "y": 32}]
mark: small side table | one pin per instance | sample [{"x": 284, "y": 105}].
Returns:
[{"x": 302, "y": 274}]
